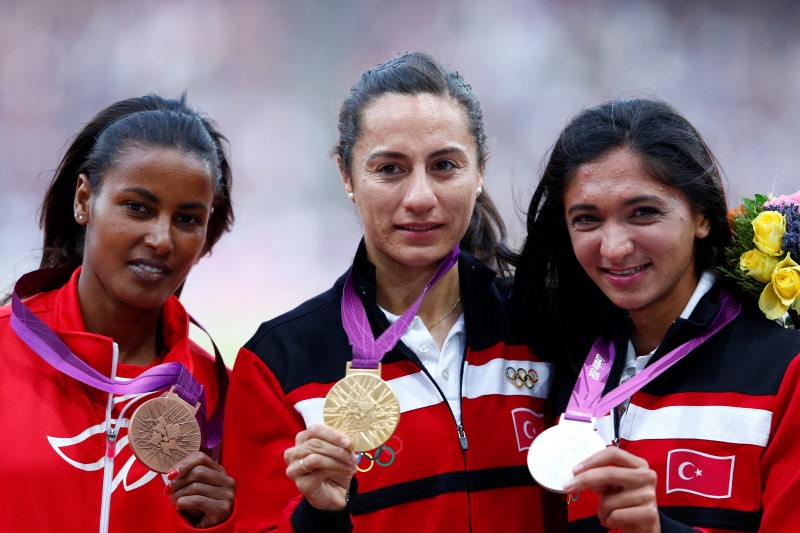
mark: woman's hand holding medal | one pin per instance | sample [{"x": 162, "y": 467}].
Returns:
[
  {"x": 627, "y": 489},
  {"x": 322, "y": 466},
  {"x": 201, "y": 490}
]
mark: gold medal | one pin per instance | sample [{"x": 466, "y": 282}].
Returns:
[
  {"x": 163, "y": 431},
  {"x": 364, "y": 407}
]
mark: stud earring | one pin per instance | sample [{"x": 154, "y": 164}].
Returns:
[
  {"x": 80, "y": 218},
  {"x": 479, "y": 190},
  {"x": 351, "y": 196}
]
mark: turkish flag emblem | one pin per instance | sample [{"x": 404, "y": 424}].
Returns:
[
  {"x": 700, "y": 473},
  {"x": 527, "y": 424}
]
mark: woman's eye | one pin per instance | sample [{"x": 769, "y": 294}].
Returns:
[
  {"x": 583, "y": 220},
  {"x": 136, "y": 207},
  {"x": 389, "y": 168},
  {"x": 645, "y": 212},
  {"x": 188, "y": 220},
  {"x": 444, "y": 166}
]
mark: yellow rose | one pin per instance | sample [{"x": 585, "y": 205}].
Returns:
[
  {"x": 782, "y": 291},
  {"x": 758, "y": 265},
  {"x": 769, "y": 227}
]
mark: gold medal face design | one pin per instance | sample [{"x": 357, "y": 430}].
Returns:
[
  {"x": 163, "y": 431},
  {"x": 363, "y": 407}
]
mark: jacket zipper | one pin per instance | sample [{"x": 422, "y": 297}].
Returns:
[
  {"x": 462, "y": 435},
  {"x": 461, "y": 432},
  {"x": 111, "y": 445}
]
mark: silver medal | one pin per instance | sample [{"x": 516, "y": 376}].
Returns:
[{"x": 556, "y": 451}]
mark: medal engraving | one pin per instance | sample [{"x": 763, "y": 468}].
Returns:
[
  {"x": 163, "y": 431},
  {"x": 556, "y": 451},
  {"x": 363, "y": 407}
]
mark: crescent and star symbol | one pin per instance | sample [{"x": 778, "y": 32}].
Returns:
[{"x": 697, "y": 471}]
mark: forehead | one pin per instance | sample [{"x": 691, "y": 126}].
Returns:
[
  {"x": 137, "y": 162},
  {"x": 618, "y": 174},
  {"x": 421, "y": 120}
]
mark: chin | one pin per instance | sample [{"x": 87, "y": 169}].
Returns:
[
  {"x": 422, "y": 260},
  {"x": 146, "y": 302}
]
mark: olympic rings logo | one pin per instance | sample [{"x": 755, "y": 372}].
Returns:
[
  {"x": 521, "y": 377},
  {"x": 377, "y": 457}
]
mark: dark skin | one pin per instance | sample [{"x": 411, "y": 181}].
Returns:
[
  {"x": 145, "y": 229},
  {"x": 200, "y": 489}
]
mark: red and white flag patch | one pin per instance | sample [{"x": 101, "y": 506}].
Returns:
[
  {"x": 710, "y": 476},
  {"x": 527, "y": 424}
]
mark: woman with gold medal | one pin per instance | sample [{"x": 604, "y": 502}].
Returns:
[{"x": 410, "y": 354}]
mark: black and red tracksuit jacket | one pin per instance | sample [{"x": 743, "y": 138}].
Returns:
[{"x": 430, "y": 476}]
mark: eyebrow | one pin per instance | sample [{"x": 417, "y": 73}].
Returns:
[
  {"x": 389, "y": 154},
  {"x": 155, "y": 199},
  {"x": 643, "y": 198}
]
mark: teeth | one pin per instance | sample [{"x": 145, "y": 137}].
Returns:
[
  {"x": 418, "y": 228},
  {"x": 150, "y": 269},
  {"x": 626, "y": 272}
]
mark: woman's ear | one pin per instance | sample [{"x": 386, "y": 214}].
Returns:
[
  {"x": 347, "y": 181},
  {"x": 703, "y": 227},
  {"x": 80, "y": 204}
]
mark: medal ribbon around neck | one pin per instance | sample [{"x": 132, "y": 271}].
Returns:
[
  {"x": 367, "y": 350},
  {"x": 587, "y": 400},
  {"x": 40, "y": 338}
]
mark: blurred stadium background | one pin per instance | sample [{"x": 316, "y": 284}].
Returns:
[{"x": 273, "y": 73}]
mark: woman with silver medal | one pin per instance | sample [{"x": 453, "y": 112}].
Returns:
[
  {"x": 357, "y": 409},
  {"x": 685, "y": 381},
  {"x": 94, "y": 340}
]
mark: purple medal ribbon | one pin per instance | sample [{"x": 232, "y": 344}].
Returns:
[
  {"x": 40, "y": 338},
  {"x": 587, "y": 400},
  {"x": 368, "y": 351}
]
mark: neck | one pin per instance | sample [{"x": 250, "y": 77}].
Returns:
[
  {"x": 649, "y": 326},
  {"x": 398, "y": 289},
  {"x": 137, "y": 332},
  {"x": 651, "y": 322},
  {"x": 647, "y": 337}
]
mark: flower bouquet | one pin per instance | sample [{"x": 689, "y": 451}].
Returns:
[{"x": 762, "y": 258}]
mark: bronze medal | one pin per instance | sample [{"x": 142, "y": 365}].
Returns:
[
  {"x": 364, "y": 407},
  {"x": 163, "y": 431}
]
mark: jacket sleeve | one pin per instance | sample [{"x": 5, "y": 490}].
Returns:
[
  {"x": 780, "y": 465},
  {"x": 260, "y": 424}
]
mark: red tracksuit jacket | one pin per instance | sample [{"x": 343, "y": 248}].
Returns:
[
  {"x": 53, "y": 436},
  {"x": 721, "y": 427}
]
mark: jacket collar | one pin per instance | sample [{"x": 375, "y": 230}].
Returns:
[
  {"x": 617, "y": 324},
  {"x": 473, "y": 276},
  {"x": 684, "y": 329},
  {"x": 97, "y": 349}
]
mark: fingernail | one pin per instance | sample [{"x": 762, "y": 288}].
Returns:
[
  {"x": 577, "y": 468},
  {"x": 172, "y": 474},
  {"x": 346, "y": 443},
  {"x": 568, "y": 486},
  {"x": 168, "y": 490}
]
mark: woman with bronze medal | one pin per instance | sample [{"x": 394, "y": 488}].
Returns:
[
  {"x": 111, "y": 414},
  {"x": 386, "y": 403},
  {"x": 683, "y": 415}
]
